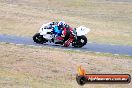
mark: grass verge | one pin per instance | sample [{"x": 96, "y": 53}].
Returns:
[
  {"x": 110, "y": 22},
  {"x": 43, "y": 67}
]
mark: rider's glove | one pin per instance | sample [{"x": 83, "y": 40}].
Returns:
[{"x": 62, "y": 35}]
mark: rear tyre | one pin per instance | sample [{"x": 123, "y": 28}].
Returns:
[
  {"x": 80, "y": 42},
  {"x": 38, "y": 38}
]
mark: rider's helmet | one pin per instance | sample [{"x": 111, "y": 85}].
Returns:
[{"x": 61, "y": 24}]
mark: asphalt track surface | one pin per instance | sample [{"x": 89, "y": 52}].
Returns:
[{"x": 94, "y": 47}]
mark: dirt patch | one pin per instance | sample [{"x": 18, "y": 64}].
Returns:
[
  {"x": 109, "y": 21},
  {"x": 35, "y": 67}
]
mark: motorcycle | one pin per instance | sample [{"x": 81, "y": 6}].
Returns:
[{"x": 77, "y": 38}]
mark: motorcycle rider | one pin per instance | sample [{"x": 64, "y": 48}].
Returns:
[
  {"x": 61, "y": 30},
  {"x": 67, "y": 30},
  {"x": 57, "y": 30}
]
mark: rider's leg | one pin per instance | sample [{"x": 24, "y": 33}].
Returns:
[{"x": 67, "y": 35}]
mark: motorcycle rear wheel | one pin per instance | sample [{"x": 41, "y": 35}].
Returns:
[{"x": 80, "y": 42}]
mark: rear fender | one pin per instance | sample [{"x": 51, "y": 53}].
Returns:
[{"x": 82, "y": 30}]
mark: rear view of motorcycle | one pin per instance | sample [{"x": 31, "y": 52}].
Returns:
[{"x": 79, "y": 37}]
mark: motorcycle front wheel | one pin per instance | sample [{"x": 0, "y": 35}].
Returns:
[
  {"x": 80, "y": 41},
  {"x": 38, "y": 38}
]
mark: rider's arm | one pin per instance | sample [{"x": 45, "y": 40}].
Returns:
[{"x": 64, "y": 32}]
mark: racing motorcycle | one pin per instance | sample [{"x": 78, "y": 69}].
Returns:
[{"x": 77, "y": 38}]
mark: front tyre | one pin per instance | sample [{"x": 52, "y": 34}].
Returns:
[
  {"x": 80, "y": 41},
  {"x": 38, "y": 38}
]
